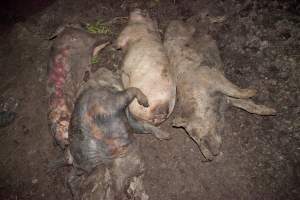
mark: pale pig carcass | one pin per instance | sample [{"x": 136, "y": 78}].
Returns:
[
  {"x": 146, "y": 66},
  {"x": 103, "y": 151},
  {"x": 203, "y": 90}
]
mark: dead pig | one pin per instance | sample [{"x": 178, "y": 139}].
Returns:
[
  {"x": 101, "y": 137},
  {"x": 203, "y": 90},
  {"x": 70, "y": 59},
  {"x": 147, "y": 67},
  {"x": 99, "y": 128},
  {"x": 121, "y": 179}
]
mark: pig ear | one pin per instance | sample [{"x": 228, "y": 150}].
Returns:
[
  {"x": 203, "y": 146},
  {"x": 180, "y": 122},
  {"x": 208, "y": 145},
  {"x": 121, "y": 42}
]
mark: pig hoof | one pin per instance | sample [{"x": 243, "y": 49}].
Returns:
[
  {"x": 143, "y": 100},
  {"x": 249, "y": 93},
  {"x": 264, "y": 110},
  {"x": 269, "y": 111},
  {"x": 162, "y": 135}
]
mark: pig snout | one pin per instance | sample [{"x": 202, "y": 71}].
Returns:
[
  {"x": 209, "y": 144},
  {"x": 208, "y": 139}
]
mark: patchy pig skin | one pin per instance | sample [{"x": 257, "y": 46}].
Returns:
[
  {"x": 102, "y": 145},
  {"x": 147, "y": 67},
  {"x": 70, "y": 58},
  {"x": 203, "y": 90},
  {"x": 99, "y": 128}
]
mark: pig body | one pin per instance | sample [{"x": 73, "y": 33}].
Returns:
[
  {"x": 146, "y": 67},
  {"x": 103, "y": 150},
  {"x": 99, "y": 130},
  {"x": 203, "y": 90},
  {"x": 70, "y": 59}
]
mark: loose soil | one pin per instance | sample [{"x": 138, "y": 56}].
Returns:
[{"x": 259, "y": 43}]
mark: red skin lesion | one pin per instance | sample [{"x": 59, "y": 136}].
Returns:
[{"x": 59, "y": 114}]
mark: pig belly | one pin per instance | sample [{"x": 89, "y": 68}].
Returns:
[
  {"x": 147, "y": 67},
  {"x": 160, "y": 92}
]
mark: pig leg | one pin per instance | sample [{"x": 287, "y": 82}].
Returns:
[
  {"x": 249, "y": 106},
  {"x": 126, "y": 97},
  {"x": 223, "y": 85},
  {"x": 144, "y": 127}
]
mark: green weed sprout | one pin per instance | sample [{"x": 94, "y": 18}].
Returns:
[
  {"x": 95, "y": 60},
  {"x": 98, "y": 28}
]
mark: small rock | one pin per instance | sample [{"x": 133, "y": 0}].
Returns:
[
  {"x": 34, "y": 181},
  {"x": 163, "y": 165}
]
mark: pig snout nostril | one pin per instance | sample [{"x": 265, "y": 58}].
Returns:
[{"x": 116, "y": 46}]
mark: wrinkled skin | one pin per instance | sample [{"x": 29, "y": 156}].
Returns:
[
  {"x": 123, "y": 179},
  {"x": 146, "y": 67},
  {"x": 69, "y": 63},
  {"x": 203, "y": 90},
  {"x": 104, "y": 152}
]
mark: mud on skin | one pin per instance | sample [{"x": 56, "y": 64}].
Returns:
[
  {"x": 146, "y": 67},
  {"x": 101, "y": 136},
  {"x": 203, "y": 90}
]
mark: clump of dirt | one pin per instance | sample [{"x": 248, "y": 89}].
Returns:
[{"x": 259, "y": 43}]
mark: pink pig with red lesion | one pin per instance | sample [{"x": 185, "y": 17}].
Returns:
[
  {"x": 59, "y": 113},
  {"x": 59, "y": 72}
]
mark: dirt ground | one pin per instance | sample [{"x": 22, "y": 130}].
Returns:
[{"x": 259, "y": 43}]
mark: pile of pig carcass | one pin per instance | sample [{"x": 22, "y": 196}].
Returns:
[{"x": 93, "y": 115}]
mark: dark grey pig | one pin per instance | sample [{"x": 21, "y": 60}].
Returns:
[
  {"x": 203, "y": 90},
  {"x": 101, "y": 139}
]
